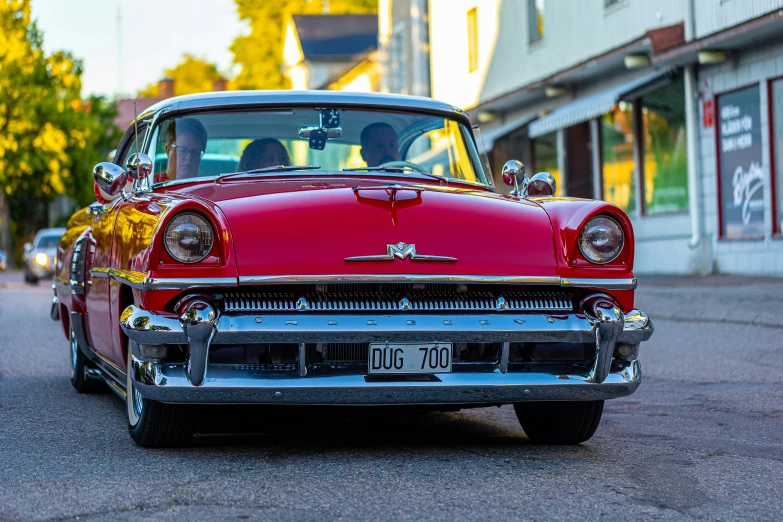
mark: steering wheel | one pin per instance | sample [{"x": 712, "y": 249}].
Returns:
[{"x": 403, "y": 164}]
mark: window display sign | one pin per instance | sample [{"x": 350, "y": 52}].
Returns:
[{"x": 740, "y": 175}]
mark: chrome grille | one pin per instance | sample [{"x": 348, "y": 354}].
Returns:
[
  {"x": 344, "y": 352},
  {"x": 388, "y": 302}
]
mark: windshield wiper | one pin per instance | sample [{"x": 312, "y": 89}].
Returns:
[
  {"x": 274, "y": 168},
  {"x": 442, "y": 179}
]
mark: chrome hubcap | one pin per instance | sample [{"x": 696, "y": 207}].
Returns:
[
  {"x": 137, "y": 402},
  {"x": 74, "y": 355}
]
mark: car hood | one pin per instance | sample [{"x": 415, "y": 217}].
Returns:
[{"x": 314, "y": 228}]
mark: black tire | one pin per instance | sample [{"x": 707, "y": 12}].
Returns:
[
  {"x": 153, "y": 424},
  {"x": 79, "y": 363},
  {"x": 570, "y": 422}
]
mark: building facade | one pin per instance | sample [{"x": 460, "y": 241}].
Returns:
[{"x": 672, "y": 110}]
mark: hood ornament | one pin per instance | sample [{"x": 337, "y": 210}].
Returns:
[{"x": 401, "y": 251}]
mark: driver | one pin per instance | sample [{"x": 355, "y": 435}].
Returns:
[
  {"x": 379, "y": 144},
  {"x": 186, "y": 140}
]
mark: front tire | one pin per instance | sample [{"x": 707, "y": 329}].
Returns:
[
  {"x": 79, "y": 365},
  {"x": 571, "y": 422},
  {"x": 153, "y": 424}
]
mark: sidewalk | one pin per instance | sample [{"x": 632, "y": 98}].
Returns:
[{"x": 718, "y": 298}]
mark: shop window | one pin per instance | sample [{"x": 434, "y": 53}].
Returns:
[
  {"x": 535, "y": 20},
  {"x": 617, "y": 154},
  {"x": 545, "y": 158},
  {"x": 664, "y": 149},
  {"x": 740, "y": 174},
  {"x": 473, "y": 39},
  {"x": 776, "y": 98}
]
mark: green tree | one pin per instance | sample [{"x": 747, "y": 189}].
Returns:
[
  {"x": 49, "y": 136},
  {"x": 259, "y": 53},
  {"x": 192, "y": 75}
]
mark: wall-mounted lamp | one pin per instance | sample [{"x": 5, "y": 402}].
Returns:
[
  {"x": 554, "y": 92},
  {"x": 486, "y": 116},
  {"x": 636, "y": 61},
  {"x": 707, "y": 57}
]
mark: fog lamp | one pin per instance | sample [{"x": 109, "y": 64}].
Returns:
[{"x": 153, "y": 351}]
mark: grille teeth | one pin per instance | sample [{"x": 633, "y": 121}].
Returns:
[{"x": 474, "y": 301}]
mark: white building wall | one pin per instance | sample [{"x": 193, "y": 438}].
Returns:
[
  {"x": 574, "y": 31},
  {"x": 716, "y": 15},
  {"x": 764, "y": 256}
]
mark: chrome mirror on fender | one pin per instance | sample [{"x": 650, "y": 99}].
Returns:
[
  {"x": 138, "y": 166},
  {"x": 110, "y": 178},
  {"x": 541, "y": 184},
  {"x": 513, "y": 175}
]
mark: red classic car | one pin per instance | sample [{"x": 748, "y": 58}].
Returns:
[{"x": 327, "y": 248}]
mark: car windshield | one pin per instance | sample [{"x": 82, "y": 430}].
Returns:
[
  {"x": 320, "y": 139},
  {"x": 49, "y": 241}
]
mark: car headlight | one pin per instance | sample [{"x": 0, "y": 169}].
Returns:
[
  {"x": 41, "y": 258},
  {"x": 188, "y": 238},
  {"x": 601, "y": 240}
]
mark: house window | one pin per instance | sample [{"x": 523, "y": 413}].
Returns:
[
  {"x": 535, "y": 19},
  {"x": 643, "y": 143},
  {"x": 473, "y": 39},
  {"x": 664, "y": 149},
  {"x": 776, "y": 99},
  {"x": 617, "y": 154}
]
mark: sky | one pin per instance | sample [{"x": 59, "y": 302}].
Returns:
[{"x": 152, "y": 37}]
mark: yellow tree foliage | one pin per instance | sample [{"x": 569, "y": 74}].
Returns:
[
  {"x": 259, "y": 53},
  {"x": 47, "y": 132},
  {"x": 192, "y": 75}
]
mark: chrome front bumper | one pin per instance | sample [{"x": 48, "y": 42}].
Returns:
[
  {"x": 200, "y": 325},
  {"x": 226, "y": 384}
]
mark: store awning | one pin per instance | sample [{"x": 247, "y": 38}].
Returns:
[
  {"x": 594, "y": 105},
  {"x": 489, "y": 136}
]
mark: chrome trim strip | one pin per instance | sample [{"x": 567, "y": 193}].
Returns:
[
  {"x": 71, "y": 287},
  {"x": 229, "y": 384},
  {"x": 396, "y": 278},
  {"x": 142, "y": 281},
  {"x": 606, "y": 284}
]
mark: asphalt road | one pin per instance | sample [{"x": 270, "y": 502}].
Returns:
[{"x": 702, "y": 438}]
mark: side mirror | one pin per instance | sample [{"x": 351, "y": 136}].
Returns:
[
  {"x": 513, "y": 175},
  {"x": 110, "y": 178},
  {"x": 138, "y": 166},
  {"x": 27, "y": 247},
  {"x": 541, "y": 184}
]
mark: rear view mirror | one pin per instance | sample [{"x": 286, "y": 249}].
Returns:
[
  {"x": 27, "y": 247},
  {"x": 110, "y": 178},
  {"x": 138, "y": 166},
  {"x": 542, "y": 184}
]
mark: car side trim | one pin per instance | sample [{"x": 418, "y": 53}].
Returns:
[{"x": 142, "y": 281}]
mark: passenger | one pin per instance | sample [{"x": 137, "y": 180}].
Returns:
[
  {"x": 262, "y": 153},
  {"x": 186, "y": 140},
  {"x": 379, "y": 144}
]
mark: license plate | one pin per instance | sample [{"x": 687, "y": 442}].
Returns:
[{"x": 386, "y": 358}]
